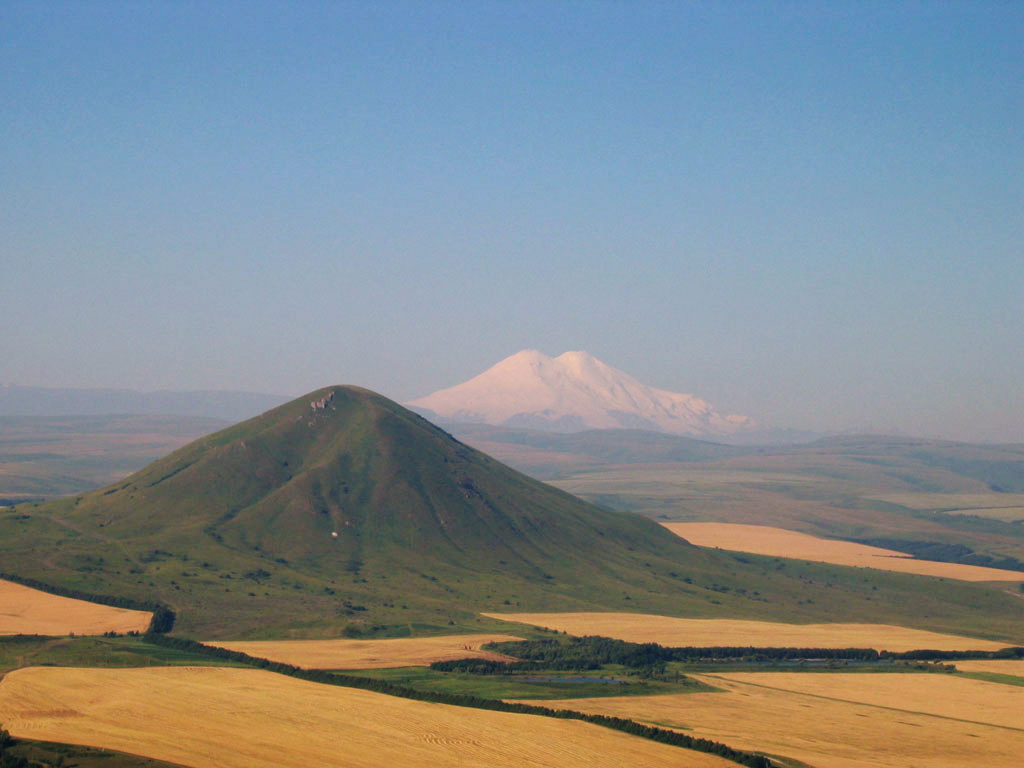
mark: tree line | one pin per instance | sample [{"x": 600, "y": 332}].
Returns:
[{"x": 593, "y": 652}]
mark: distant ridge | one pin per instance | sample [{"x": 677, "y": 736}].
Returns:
[
  {"x": 571, "y": 393},
  {"x": 18, "y": 400}
]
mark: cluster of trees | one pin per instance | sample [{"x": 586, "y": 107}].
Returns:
[
  {"x": 8, "y": 760},
  {"x": 163, "y": 617},
  {"x": 662, "y": 735},
  {"x": 591, "y": 652}
]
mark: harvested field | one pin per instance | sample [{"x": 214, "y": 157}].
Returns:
[
  {"x": 779, "y": 542},
  {"x": 670, "y": 631},
  {"x": 245, "y": 718},
  {"x": 371, "y": 654},
  {"x": 845, "y": 720},
  {"x": 994, "y": 666},
  {"x": 27, "y": 611},
  {"x": 944, "y": 696}
]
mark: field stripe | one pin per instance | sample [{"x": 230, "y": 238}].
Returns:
[
  {"x": 370, "y": 654},
  {"x": 28, "y": 611},
  {"x": 676, "y": 632},
  {"x": 858, "y": 702},
  {"x": 781, "y": 542}
]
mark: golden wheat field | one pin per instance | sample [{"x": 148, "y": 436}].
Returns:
[
  {"x": 779, "y": 542},
  {"x": 211, "y": 717},
  {"x": 996, "y": 666},
  {"x": 844, "y": 720},
  {"x": 28, "y": 611},
  {"x": 670, "y": 631},
  {"x": 370, "y": 654}
]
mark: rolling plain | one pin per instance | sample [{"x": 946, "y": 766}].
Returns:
[
  {"x": 371, "y": 654},
  {"x": 255, "y": 719},
  {"x": 340, "y": 531}
]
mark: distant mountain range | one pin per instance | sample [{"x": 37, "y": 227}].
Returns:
[
  {"x": 571, "y": 393},
  {"x": 44, "y": 401}
]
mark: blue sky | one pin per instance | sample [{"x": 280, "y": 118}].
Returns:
[{"x": 805, "y": 212}]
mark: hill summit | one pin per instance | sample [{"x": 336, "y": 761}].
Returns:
[
  {"x": 345, "y": 486},
  {"x": 573, "y": 392}
]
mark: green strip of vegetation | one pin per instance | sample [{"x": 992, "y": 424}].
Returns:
[
  {"x": 817, "y": 668},
  {"x": 609, "y": 681},
  {"x": 118, "y": 651},
  {"x": 994, "y": 677},
  {"x": 593, "y": 652},
  {"x": 631, "y": 727}
]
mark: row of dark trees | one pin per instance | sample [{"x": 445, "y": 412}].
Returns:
[
  {"x": 7, "y": 759},
  {"x": 591, "y": 652},
  {"x": 662, "y": 735}
]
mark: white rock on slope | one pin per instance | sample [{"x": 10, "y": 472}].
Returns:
[{"x": 573, "y": 392}]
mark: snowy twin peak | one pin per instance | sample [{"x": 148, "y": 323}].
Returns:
[{"x": 573, "y": 392}]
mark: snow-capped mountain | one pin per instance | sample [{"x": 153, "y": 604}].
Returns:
[{"x": 573, "y": 392}]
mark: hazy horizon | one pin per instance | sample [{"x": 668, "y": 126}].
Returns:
[{"x": 807, "y": 214}]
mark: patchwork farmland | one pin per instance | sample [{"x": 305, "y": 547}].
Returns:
[
  {"x": 370, "y": 654},
  {"x": 245, "y": 718},
  {"x": 844, "y": 720}
]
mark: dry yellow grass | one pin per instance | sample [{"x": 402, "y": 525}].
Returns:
[
  {"x": 370, "y": 654},
  {"x": 28, "y": 611},
  {"x": 845, "y": 720},
  {"x": 779, "y": 542},
  {"x": 997, "y": 666},
  {"x": 244, "y": 718},
  {"x": 670, "y": 631},
  {"x": 1006, "y": 514}
]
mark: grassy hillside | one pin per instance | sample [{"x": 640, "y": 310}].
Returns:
[{"x": 342, "y": 512}]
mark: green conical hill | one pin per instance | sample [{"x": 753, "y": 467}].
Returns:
[
  {"x": 341, "y": 511},
  {"x": 344, "y": 476}
]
